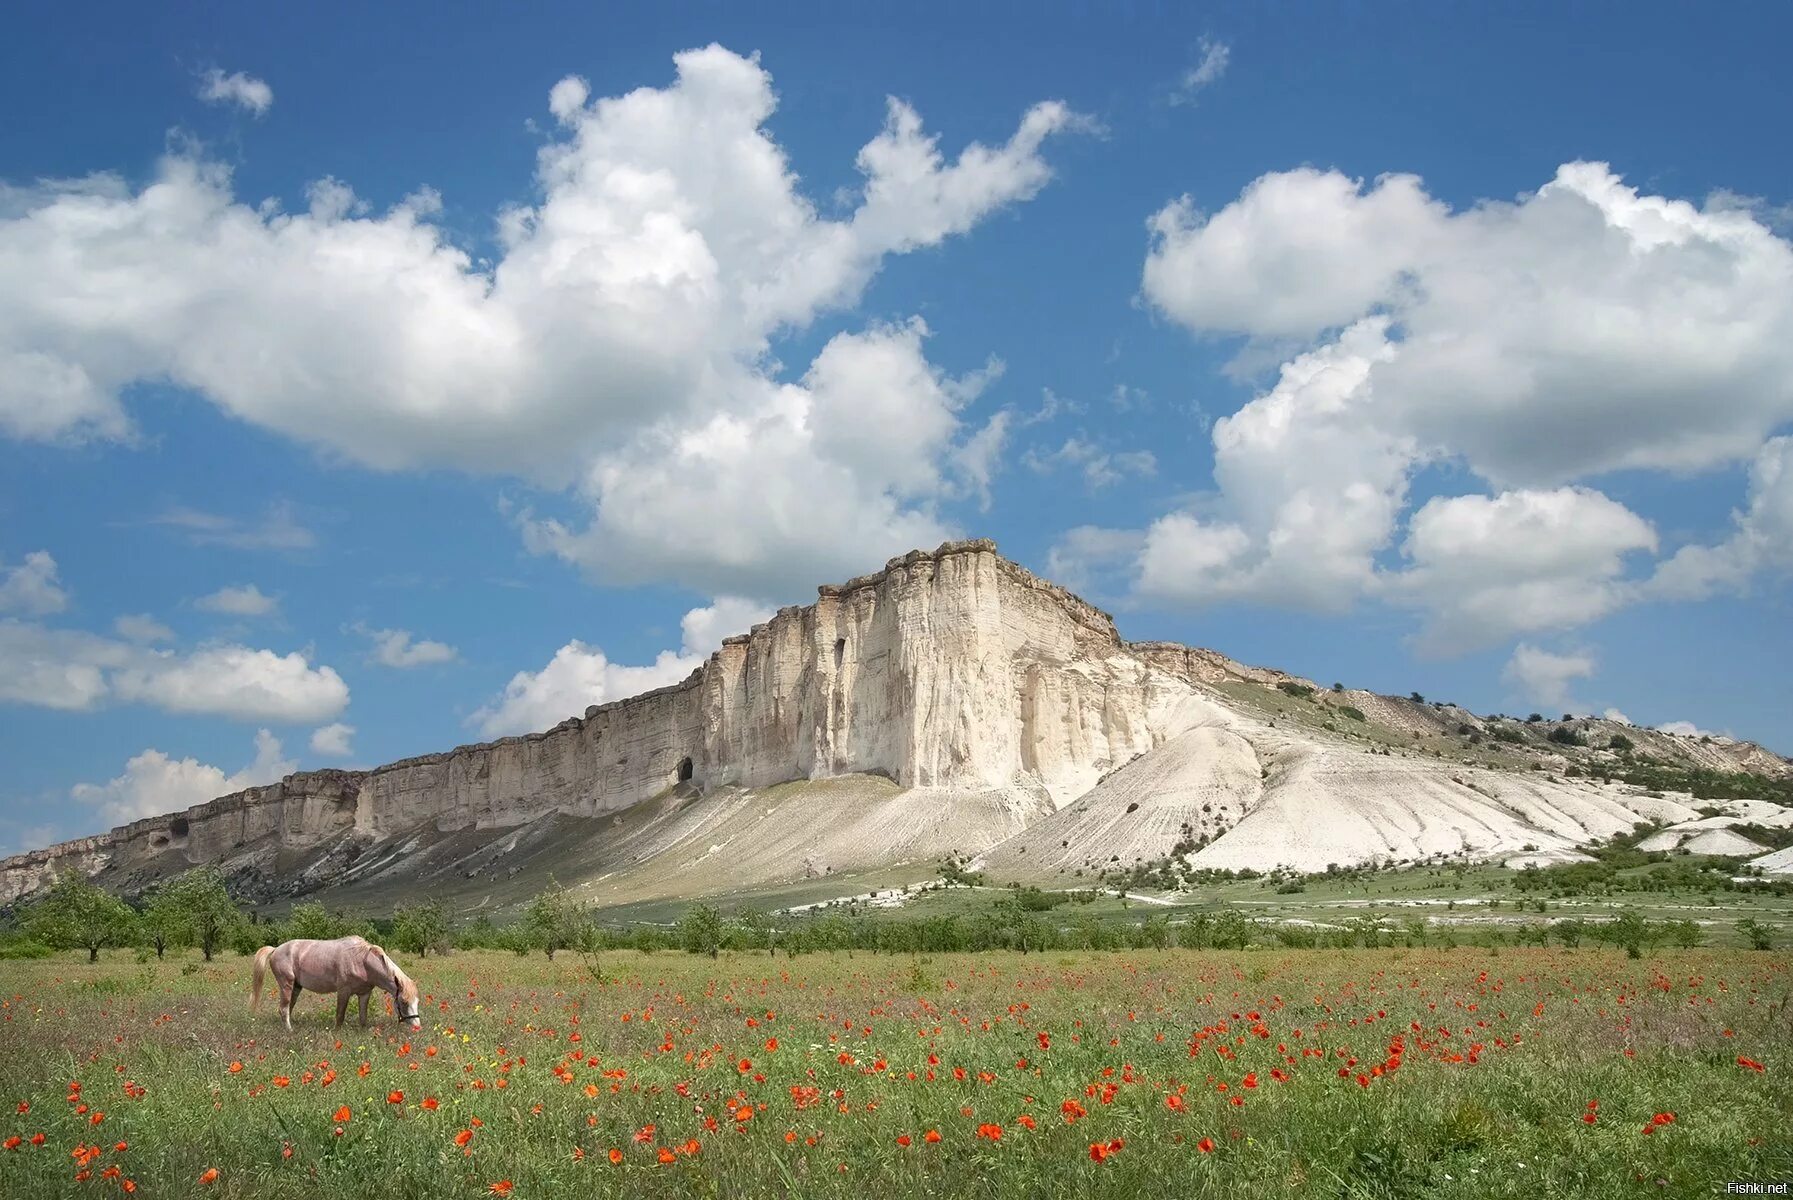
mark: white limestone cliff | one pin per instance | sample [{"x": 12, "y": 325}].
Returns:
[{"x": 985, "y": 695}]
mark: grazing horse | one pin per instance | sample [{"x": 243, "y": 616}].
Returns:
[{"x": 350, "y": 966}]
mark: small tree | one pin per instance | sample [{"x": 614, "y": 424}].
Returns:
[
  {"x": 700, "y": 931},
  {"x": 1631, "y": 931},
  {"x": 421, "y": 927},
  {"x": 1757, "y": 935},
  {"x": 556, "y": 920},
  {"x": 753, "y": 930},
  {"x": 163, "y": 923},
  {"x": 1620, "y": 744},
  {"x": 311, "y": 920},
  {"x": 204, "y": 904},
  {"x": 78, "y": 915},
  {"x": 1687, "y": 934}
]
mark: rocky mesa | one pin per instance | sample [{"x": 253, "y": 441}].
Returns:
[{"x": 951, "y": 703}]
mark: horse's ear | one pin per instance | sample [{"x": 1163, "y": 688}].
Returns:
[{"x": 376, "y": 949}]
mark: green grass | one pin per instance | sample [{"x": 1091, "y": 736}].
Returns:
[{"x": 1500, "y": 1057}]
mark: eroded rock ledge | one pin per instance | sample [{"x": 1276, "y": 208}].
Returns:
[{"x": 947, "y": 668}]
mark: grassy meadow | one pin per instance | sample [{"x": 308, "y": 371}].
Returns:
[{"x": 1472, "y": 1071}]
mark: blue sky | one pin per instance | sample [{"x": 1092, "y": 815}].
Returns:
[{"x": 1409, "y": 392}]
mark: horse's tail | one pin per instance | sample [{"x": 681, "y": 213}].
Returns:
[{"x": 261, "y": 969}]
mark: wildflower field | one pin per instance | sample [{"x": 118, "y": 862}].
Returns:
[{"x": 1402, "y": 1072}]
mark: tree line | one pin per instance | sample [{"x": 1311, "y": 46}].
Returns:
[{"x": 195, "y": 910}]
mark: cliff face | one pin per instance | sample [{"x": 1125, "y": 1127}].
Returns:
[
  {"x": 1007, "y": 716},
  {"x": 954, "y": 669}
]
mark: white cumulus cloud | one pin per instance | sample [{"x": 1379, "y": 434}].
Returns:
[
  {"x": 621, "y": 338},
  {"x": 75, "y": 671},
  {"x": 1545, "y": 677},
  {"x": 32, "y": 587},
  {"x": 402, "y": 649},
  {"x": 153, "y": 783},
  {"x": 725, "y": 616},
  {"x": 333, "y": 740},
  {"x": 580, "y": 675},
  {"x": 577, "y": 676},
  {"x": 1575, "y": 331},
  {"x": 1487, "y": 567}
]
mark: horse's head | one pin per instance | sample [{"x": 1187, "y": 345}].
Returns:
[
  {"x": 404, "y": 988},
  {"x": 406, "y": 994}
]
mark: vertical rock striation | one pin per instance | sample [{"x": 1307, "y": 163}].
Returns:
[{"x": 950, "y": 669}]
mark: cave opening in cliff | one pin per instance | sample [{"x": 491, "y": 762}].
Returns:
[
  {"x": 840, "y": 652},
  {"x": 178, "y": 827},
  {"x": 684, "y": 769}
]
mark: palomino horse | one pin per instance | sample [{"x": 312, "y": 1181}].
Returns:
[{"x": 350, "y": 966}]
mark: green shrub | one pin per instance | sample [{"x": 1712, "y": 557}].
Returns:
[{"x": 23, "y": 947}]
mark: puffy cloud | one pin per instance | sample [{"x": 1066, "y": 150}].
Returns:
[
  {"x": 726, "y": 616},
  {"x": 333, "y": 740},
  {"x": 245, "y": 601},
  {"x": 402, "y": 649},
  {"x": 244, "y": 91},
  {"x": 153, "y": 783},
  {"x": 626, "y": 322},
  {"x": 580, "y": 675},
  {"x": 1575, "y": 331},
  {"x": 732, "y": 505},
  {"x": 72, "y": 670},
  {"x": 1210, "y": 64},
  {"x": 577, "y": 676},
  {"x": 32, "y": 587},
  {"x": 1545, "y": 677},
  {"x": 1761, "y": 539},
  {"x": 235, "y": 681},
  {"x": 1487, "y": 567},
  {"x": 141, "y": 627},
  {"x": 1310, "y": 490},
  {"x": 1297, "y": 253},
  {"x": 1689, "y": 729},
  {"x": 57, "y": 668}
]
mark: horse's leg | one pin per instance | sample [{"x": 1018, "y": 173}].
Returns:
[
  {"x": 342, "y": 1008},
  {"x": 364, "y": 996},
  {"x": 289, "y": 992}
]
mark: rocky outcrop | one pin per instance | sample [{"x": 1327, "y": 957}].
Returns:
[
  {"x": 955, "y": 674},
  {"x": 947, "y": 669}
]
